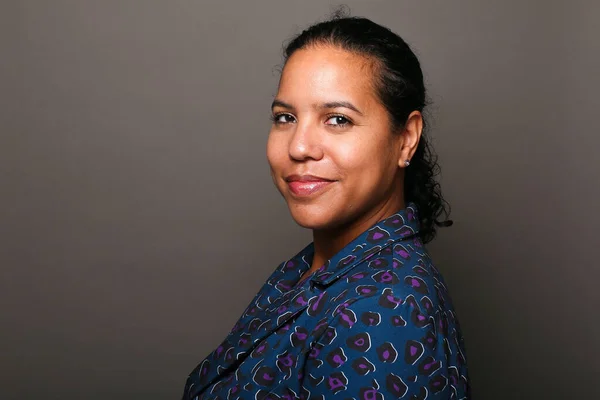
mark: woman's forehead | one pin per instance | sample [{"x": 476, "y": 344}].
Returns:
[{"x": 326, "y": 73}]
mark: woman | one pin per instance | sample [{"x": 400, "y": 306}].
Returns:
[{"x": 361, "y": 312}]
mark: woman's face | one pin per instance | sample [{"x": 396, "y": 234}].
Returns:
[{"x": 332, "y": 154}]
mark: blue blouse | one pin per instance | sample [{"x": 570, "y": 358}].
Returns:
[{"x": 375, "y": 322}]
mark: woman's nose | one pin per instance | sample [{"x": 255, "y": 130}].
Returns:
[{"x": 306, "y": 143}]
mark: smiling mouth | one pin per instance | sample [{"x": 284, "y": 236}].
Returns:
[{"x": 306, "y": 185}]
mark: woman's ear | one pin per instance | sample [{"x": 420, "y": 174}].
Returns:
[{"x": 411, "y": 134}]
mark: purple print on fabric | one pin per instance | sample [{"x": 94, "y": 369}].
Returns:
[{"x": 375, "y": 322}]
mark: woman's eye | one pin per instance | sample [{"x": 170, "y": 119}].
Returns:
[
  {"x": 338, "y": 120},
  {"x": 283, "y": 118}
]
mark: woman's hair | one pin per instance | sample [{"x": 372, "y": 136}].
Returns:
[{"x": 399, "y": 84}]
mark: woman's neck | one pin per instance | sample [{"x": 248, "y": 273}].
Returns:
[{"x": 329, "y": 243}]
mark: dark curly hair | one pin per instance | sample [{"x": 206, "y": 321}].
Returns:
[{"x": 400, "y": 87}]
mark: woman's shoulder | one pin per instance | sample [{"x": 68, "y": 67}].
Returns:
[
  {"x": 400, "y": 277},
  {"x": 393, "y": 309}
]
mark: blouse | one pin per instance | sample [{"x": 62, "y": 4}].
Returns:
[{"x": 375, "y": 322}]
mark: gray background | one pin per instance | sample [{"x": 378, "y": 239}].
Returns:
[{"x": 138, "y": 217}]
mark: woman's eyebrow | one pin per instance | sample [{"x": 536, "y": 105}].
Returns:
[
  {"x": 279, "y": 103},
  {"x": 329, "y": 104},
  {"x": 340, "y": 104}
]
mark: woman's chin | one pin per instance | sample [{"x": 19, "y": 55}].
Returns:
[{"x": 311, "y": 218}]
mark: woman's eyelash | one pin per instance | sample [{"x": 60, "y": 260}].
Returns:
[
  {"x": 275, "y": 118},
  {"x": 347, "y": 121}
]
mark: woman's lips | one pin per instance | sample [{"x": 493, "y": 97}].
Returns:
[{"x": 306, "y": 185}]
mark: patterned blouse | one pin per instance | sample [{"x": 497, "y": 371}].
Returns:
[{"x": 375, "y": 322}]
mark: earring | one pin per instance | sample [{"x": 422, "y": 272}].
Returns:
[{"x": 406, "y": 163}]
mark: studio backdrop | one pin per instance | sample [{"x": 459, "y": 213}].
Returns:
[{"x": 138, "y": 217}]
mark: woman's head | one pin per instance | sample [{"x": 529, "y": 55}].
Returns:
[{"x": 347, "y": 117}]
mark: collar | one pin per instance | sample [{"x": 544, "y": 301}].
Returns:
[{"x": 402, "y": 225}]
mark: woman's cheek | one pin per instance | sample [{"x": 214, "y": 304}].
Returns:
[{"x": 274, "y": 152}]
